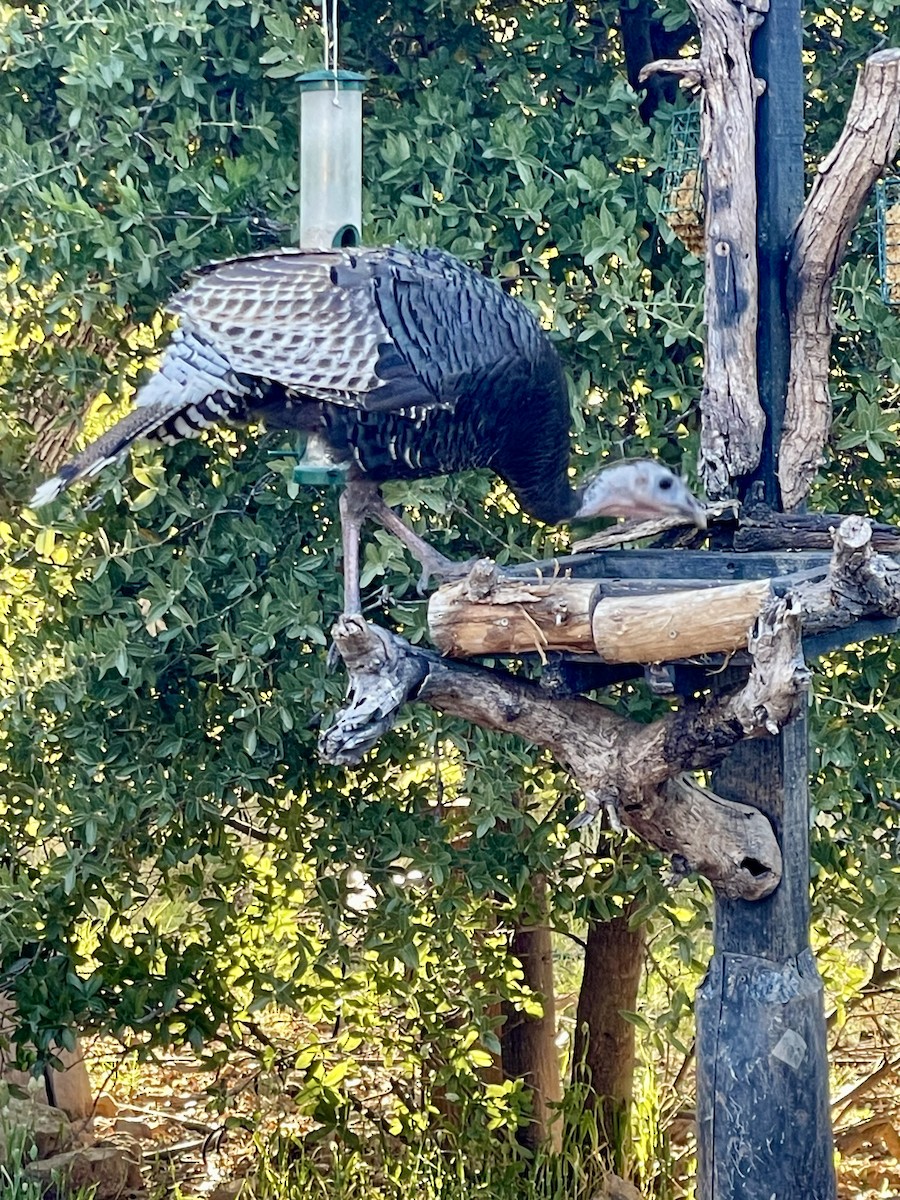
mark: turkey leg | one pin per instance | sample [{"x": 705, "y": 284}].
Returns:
[
  {"x": 361, "y": 499},
  {"x": 353, "y": 507}
]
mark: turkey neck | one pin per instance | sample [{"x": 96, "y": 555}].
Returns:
[
  {"x": 553, "y": 501},
  {"x": 534, "y": 458}
]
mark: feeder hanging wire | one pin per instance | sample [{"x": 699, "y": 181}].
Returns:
[{"x": 330, "y": 38}]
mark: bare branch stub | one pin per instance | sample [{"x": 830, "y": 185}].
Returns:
[
  {"x": 737, "y": 837},
  {"x": 867, "y": 144},
  {"x": 688, "y": 70},
  {"x": 859, "y": 583},
  {"x": 383, "y": 676}
]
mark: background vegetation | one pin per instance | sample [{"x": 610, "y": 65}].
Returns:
[{"x": 173, "y": 858}]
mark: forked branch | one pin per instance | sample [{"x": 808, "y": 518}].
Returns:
[{"x": 633, "y": 769}]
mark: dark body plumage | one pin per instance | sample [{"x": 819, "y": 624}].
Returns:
[{"x": 409, "y": 363}]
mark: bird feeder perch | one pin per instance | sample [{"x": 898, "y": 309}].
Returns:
[{"x": 330, "y": 158}]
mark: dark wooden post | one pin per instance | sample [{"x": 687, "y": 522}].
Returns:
[{"x": 764, "y": 1127}]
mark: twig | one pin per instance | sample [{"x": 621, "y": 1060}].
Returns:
[{"x": 848, "y": 1099}]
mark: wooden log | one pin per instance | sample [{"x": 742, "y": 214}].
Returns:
[
  {"x": 628, "y": 767},
  {"x": 763, "y": 529},
  {"x": 618, "y": 763},
  {"x": 621, "y": 622},
  {"x": 501, "y": 615},
  {"x": 859, "y": 582},
  {"x": 736, "y": 847},
  {"x": 868, "y": 142},
  {"x": 513, "y": 616},
  {"x": 649, "y": 629},
  {"x": 733, "y": 419}
]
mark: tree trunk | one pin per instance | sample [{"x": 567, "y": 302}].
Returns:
[
  {"x": 68, "y": 1087},
  {"x": 604, "y": 1052},
  {"x": 529, "y": 1043}
]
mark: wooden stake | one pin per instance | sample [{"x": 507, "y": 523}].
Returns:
[{"x": 731, "y": 435}]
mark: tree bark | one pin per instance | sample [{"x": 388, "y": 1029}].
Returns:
[
  {"x": 529, "y": 1043},
  {"x": 604, "y": 1049},
  {"x": 509, "y": 616},
  {"x": 764, "y": 529},
  {"x": 868, "y": 142},
  {"x": 733, "y": 420}
]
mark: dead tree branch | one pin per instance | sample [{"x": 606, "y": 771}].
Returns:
[
  {"x": 850, "y": 1097},
  {"x": 868, "y": 142},
  {"x": 636, "y": 770},
  {"x": 859, "y": 583},
  {"x": 733, "y": 419},
  {"x": 617, "y": 762},
  {"x": 762, "y": 528}
]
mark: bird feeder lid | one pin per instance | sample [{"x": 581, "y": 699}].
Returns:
[{"x": 319, "y": 81}]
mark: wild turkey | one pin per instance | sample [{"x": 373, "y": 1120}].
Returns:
[{"x": 407, "y": 364}]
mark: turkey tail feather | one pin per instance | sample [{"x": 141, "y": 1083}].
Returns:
[
  {"x": 193, "y": 389},
  {"x": 109, "y": 447}
]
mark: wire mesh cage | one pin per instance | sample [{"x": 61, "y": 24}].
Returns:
[
  {"x": 887, "y": 206},
  {"x": 682, "y": 190}
]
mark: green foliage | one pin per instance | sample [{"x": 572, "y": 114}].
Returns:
[
  {"x": 18, "y": 1150},
  {"x": 164, "y": 808},
  {"x": 174, "y": 856},
  {"x": 446, "y": 1165},
  {"x": 15, "y": 1182}
]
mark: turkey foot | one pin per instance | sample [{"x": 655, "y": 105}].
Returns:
[{"x": 432, "y": 562}]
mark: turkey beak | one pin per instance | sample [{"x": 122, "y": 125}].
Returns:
[{"x": 694, "y": 511}]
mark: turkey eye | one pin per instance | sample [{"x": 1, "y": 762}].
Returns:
[{"x": 665, "y": 484}]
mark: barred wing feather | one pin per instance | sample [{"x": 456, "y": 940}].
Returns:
[{"x": 379, "y": 330}]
